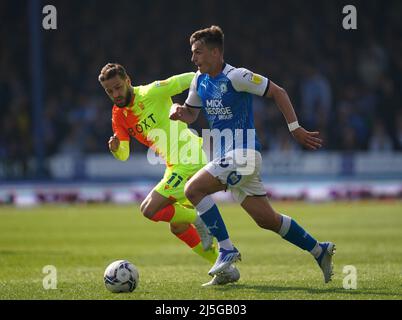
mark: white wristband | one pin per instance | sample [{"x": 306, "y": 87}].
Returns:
[{"x": 293, "y": 126}]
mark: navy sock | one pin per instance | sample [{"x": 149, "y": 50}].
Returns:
[
  {"x": 295, "y": 234},
  {"x": 210, "y": 215}
]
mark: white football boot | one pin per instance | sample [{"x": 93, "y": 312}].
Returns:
[
  {"x": 325, "y": 260},
  {"x": 225, "y": 259},
  {"x": 228, "y": 275}
]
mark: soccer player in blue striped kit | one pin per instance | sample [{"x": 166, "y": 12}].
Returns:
[{"x": 224, "y": 93}]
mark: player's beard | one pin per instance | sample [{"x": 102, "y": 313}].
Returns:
[{"x": 126, "y": 101}]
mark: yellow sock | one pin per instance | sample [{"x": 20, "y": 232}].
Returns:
[
  {"x": 192, "y": 239},
  {"x": 183, "y": 214},
  {"x": 211, "y": 255}
]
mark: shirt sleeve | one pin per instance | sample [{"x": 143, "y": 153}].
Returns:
[
  {"x": 193, "y": 99},
  {"x": 123, "y": 152},
  {"x": 244, "y": 80},
  {"x": 118, "y": 129},
  {"x": 173, "y": 85}
]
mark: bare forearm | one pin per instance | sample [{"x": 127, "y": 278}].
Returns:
[
  {"x": 284, "y": 104},
  {"x": 308, "y": 139}
]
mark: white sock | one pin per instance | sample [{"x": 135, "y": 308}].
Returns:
[
  {"x": 316, "y": 251},
  {"x": 204, "y": 205},
  {"x": 226, "y": 244}
]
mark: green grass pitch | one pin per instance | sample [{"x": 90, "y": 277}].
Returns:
[{"x": 81, "y": 240}]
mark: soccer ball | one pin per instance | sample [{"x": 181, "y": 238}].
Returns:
[{"x": 121, "y": 276}]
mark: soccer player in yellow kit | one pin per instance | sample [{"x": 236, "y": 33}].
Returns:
[{"x": 142, "y": 112}]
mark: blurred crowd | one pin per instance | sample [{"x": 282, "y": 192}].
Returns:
[{"x": 344, "y": 83}]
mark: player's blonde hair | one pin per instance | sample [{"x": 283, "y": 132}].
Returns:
[
  {"x": 212, "y": 37},
  {"x": 111, "y": 70}
]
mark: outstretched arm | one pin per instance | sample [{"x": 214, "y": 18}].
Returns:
[
  {"x": 306, "y": 138},
  {"x": 174, "y": 85},
  {"x": 189, "y": 111}
]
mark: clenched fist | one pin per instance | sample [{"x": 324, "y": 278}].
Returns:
[
  {"x": 114, "y": 143},
  {"x": 175, "y": 112}
]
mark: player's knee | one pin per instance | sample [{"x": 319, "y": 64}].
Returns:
[
  {"x": 191, "y": 192},
  {"x": 146, "y": 210}
]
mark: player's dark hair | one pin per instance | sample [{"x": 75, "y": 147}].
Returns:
[
  {"x": 111, "y": 70},
  {"x": 212, "y": 37}
]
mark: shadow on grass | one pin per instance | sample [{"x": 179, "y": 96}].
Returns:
[{"x": 309, "y": 290}]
